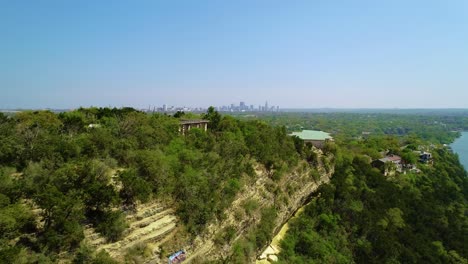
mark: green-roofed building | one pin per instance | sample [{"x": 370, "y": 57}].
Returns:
[{"x": 315, "y": 137}]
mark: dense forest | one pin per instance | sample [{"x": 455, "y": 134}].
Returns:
[
  {"x": 437, "y": 127},
  {"x": 60, "y": 172},
  {"x": 362, "y": 216}
]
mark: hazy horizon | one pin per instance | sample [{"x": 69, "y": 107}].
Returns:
[{"x": 301, "y": 54}]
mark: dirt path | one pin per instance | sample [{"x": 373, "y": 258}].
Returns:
[{"x": 270, "y": 254}]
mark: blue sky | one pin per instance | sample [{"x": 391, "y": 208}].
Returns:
[{"x": 300, "y": 54}]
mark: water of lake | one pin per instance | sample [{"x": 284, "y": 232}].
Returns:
[{"x": 460, "y": 146}]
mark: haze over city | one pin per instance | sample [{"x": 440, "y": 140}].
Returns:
[{"x": 296, "y": 54}]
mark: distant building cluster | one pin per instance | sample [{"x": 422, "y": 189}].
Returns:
[
  {"x": 243, "y": 107},
  {"x": 173, "y": 109},
  {"x": 390, "y": 164}
]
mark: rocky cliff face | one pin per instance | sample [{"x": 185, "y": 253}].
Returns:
[
  {"x": 149, "y": 226},
  {"x": 287, "y": 195},
  {"x": 154, "y": 231}
]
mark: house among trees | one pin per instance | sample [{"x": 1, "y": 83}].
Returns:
[
  {"x": 186, "y": 125},
  {"x": 314, "y": 137},
  {"x": 425, "y": 157},
  {"x": 389, "y": 164}
]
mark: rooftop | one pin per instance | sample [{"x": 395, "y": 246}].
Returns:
[
  {"x": 391, "y": 158},
  {"x": 312, "y": 135},
  {"x": 193, "y": 121}
]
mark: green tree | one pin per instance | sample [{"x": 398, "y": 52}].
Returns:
[
  {"x": 214, "y": 117},
  {"x": 133, "y": 187}
]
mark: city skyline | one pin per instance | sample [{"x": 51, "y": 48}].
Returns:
[{"x": 240, "y": 107}]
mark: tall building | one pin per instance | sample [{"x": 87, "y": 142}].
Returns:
[
  {"x": 242, "y": 106},
  {"x": 266, "y": 105}
]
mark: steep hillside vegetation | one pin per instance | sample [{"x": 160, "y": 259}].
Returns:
[
  {"x": 362, "y": 216},
  {"x": 257, "y": 213},
  {"x": 106, "y": 185},
  {"x": 88, "y": 174}
]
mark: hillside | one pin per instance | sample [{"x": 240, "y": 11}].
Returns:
[
  {"x": 417, "y": 214},
  {"x": 246, "y": 224},
  {"x": 103, "y": 185},
  {"x": 110, "y": 185},
  {"x": 153, "y": 227}
]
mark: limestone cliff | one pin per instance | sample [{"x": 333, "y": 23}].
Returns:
[
  {"x": 154, "y": 229},
  {"x": 287, "y": 195}
]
